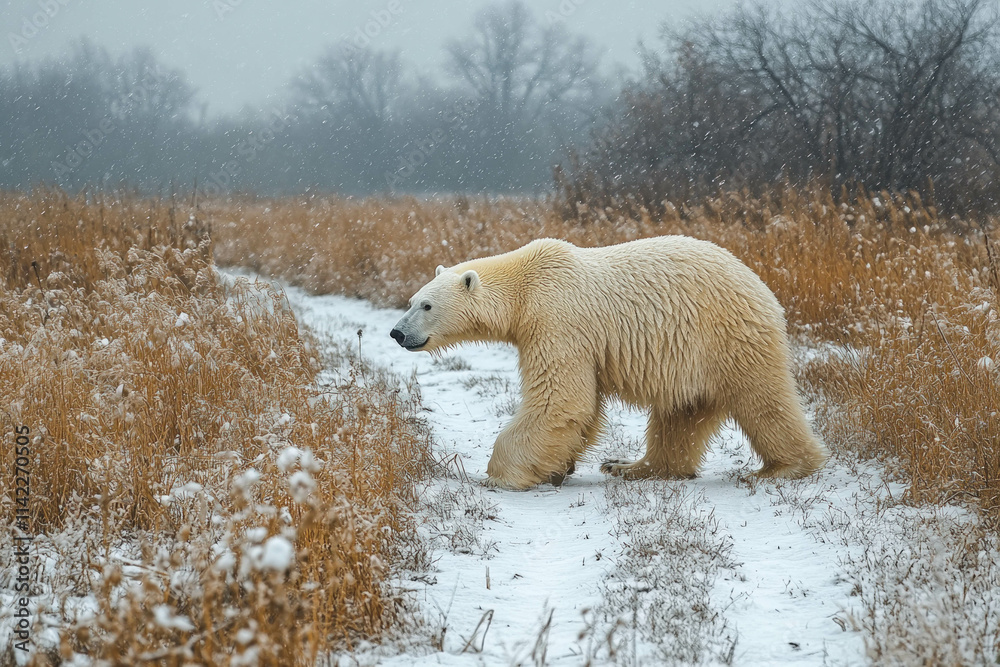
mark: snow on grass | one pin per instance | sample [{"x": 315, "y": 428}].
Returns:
[
  {"x": 533, "y": 553},
  {"x": 929, "y": 583},
  {"x": 717, "y": 570}
]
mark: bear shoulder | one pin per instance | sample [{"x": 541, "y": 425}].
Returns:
[
  {"x": 548, "y": 252},
  {"x": 549, "y": 246}
]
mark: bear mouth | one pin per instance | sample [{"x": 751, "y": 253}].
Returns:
[{"x": 414, "y": 348}]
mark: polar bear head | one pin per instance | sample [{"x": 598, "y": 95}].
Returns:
[{"x": 444, "y": 312}]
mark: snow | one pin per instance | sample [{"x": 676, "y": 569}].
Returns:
[
  {"x": 288, "y": 457},
  {"x": 786, "y": 589},
  {"x": 277, "y": 554},
  {"x": 550, "y": 550},
  {"x": 301, "y": 485},
  {"x": 225, "y": 562},
  {"x": 246, "y": 479},
  {"x": 256, "y": 535},
  {"x": 164, "y": 616},
  {"x": 717, "y": 570}
]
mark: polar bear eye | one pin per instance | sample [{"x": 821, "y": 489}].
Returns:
[{"x": 427, "y": 306}]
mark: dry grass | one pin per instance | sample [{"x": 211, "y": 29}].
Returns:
[
  {"x": 832, "y": 266},
  {"x": 902, "y": 302},
  {"x": 661, "y": 588},
  {"x": 196, "y": 497},
  {"x": 159, "y": 453},
  {"x": 886, "y": 274},
  {"x": 928, "y": 586}
]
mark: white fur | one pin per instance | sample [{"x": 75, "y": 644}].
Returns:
[{"x": 673, "y": 324}]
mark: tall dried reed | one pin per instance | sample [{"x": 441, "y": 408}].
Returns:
[
  {"x": 915, "y": 293},
  {"x": 198, "y": 497}
]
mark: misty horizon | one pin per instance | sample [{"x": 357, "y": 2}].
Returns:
[
  {"x": 512, "y": 98},
  {"x": 239, "y": 56}
]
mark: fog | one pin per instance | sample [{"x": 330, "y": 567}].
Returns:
[
  {"x": 239, "y": 52},
  {"x": 630, "y": 105}
]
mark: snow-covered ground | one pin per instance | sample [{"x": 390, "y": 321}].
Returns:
[
  {"x": 830, "y": 570},
  {"x": 716, "y": 570},
  {"x": 551, "y": 550}
]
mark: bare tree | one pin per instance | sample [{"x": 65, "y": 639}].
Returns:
[
  {"x": 134, "y": 84},
  {"x": 360, "y": 83},
  {"x": 888, "y": 94},
  {"x": 516, "y": 67},
  {"x": 930, "y": 76}
]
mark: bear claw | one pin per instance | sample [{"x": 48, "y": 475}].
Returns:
[
  {"x": 609, "y": 466},
  {"x": 640, "y": 470}
]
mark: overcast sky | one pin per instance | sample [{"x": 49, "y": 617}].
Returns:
[{"x": 243, "y": 52}]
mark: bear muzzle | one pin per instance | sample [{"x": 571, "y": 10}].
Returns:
[{"x": 403, "y": 340}]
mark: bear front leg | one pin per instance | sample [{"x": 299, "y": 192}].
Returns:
[
  {"x": 549, "y": 432},
  {"x": 531, "y": 450}
]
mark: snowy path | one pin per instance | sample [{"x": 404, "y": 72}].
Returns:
[{"x": 551, "y": 550}]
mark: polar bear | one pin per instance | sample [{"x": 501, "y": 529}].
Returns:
[{"x": 672, "y": 324}]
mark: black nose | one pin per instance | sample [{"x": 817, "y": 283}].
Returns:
[{"x": 397, "y": 335}]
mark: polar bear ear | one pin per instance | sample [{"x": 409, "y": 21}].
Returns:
[
  {"x": 439, "y": 269},
  {"x": 470, "y": 279}
]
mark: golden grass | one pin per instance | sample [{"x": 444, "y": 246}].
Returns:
[
  {"x": 164, "y": 405},
  {"x": 915, "y": 293},
  {"x": 179, "y": 437}
]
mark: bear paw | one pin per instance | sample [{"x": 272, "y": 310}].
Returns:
[
  {"x": 521, "y": 480},
  {"x": 613, "y": 466},
  {"x": 778, "y": 471},
  {"x": 640, "y": 469},
  {"x": 557, "y": 478},
  {"x": 493, "y": 482},
  {"x": 627, "y": 469}
]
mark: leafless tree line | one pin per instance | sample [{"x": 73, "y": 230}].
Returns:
[
  {"x": 522, "y": 90},
  {"x": 509, "y": 96},
  {"x": 888, "y": 95}
]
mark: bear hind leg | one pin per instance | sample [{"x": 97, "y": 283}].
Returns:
[
  {"x": 780, "y": 435},
  {"x": 675, "y": 444}
]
